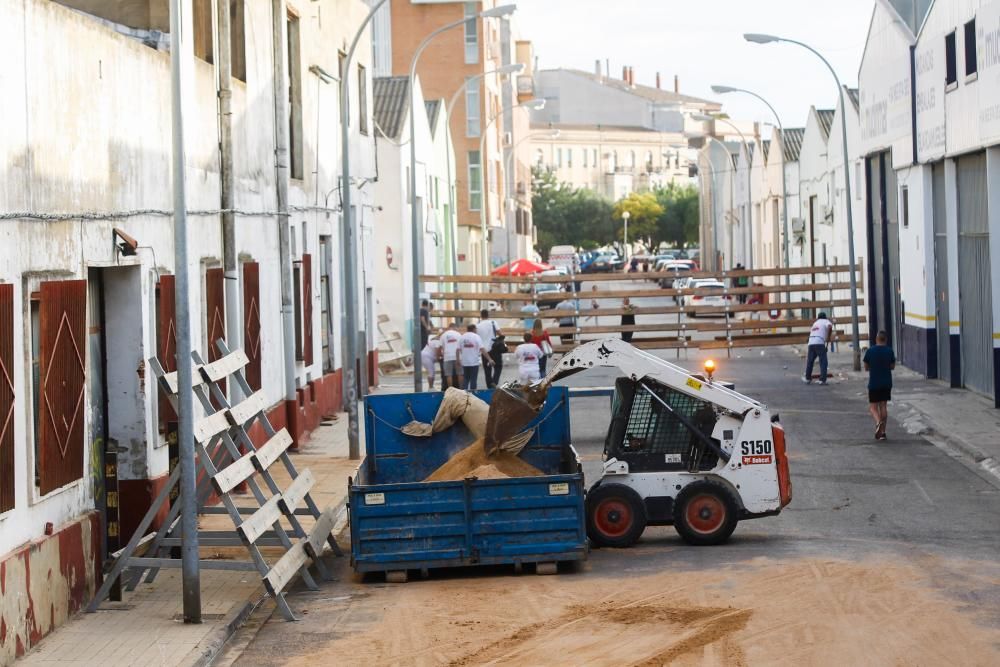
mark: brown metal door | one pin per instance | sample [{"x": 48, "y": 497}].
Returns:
[
  {"x": 62, "y": 376},
  {"x": 307, "y": 309},
  {"x": 6, "y": 397},
  {"x": 215, "y": 302},
  {"x": 166, "y": 342},
  {"x": 251, "y": 322}
]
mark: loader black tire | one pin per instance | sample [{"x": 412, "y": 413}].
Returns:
[
  {"x": 616, "y": 516},
  {"x": 705, "y": 513}
]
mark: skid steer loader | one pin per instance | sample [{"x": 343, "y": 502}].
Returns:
[{"x": 681, "y": 449}]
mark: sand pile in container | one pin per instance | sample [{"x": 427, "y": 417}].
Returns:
[{"x": 473, "y": 462}]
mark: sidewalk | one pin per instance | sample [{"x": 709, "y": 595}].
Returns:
[
  {"x": 147, "y": 626},
  {"x": 961, "y": 422}
]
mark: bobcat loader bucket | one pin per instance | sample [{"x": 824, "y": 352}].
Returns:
[{"x": 511, "y": 409}]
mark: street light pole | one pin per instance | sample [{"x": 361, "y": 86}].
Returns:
[
  {"x": 625, "y": 216},
  {"x": 784, "y": 189},
  {"x": 350, "y": 329},
  {"x": 855, "y": 329},
  {"x": 748, "y": 240},
  {"x": 190, "y": 572},
  {"x": 416, "y": 233},
  {"x": 510, "y": 159},
  {"x": 536, "y": 104},
  {"x": 514, "y": 68},
  {"x": 732, "y": 196}
]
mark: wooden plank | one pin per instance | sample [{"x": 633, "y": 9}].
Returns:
[
  {"x": 224, "y": 367},
  {"x": 171, "y": 379},
  {"x": 286, "y": 567},
  {"x": 694, "y": 326},
  {"x": 246, "y": 410},
  {"x": 271, "y": 450},
  {"x": 651, "y": 275},
  {"x": 212, "y": 425},
  {"x": 297, "y": 490},
  {"x": 320, "y": 532},
  {"x": 720, "y": 343},
  {"x": 648, "y": 293},
  {"x": 653, "y": 310},
  {"x": 261, "y": 521},
  {"x": 238, "y": 471}
]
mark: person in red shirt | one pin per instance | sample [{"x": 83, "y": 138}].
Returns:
[{"x": 540, "y": 337}]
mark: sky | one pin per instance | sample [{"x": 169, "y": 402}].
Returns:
[{"x": 702, "y": 42}]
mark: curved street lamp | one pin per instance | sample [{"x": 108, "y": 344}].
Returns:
[
  {"x": 722, "y": 90},
  {"x": 748, "y": 236},
  {"x": 536, "y": 104},
  {"x": 416, "y": 244},
  {"x": 760, "y": 38}
]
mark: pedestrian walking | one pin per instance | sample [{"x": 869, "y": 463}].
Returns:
[
  {"x": 425, "y": 322},
  {"x": 594, "y": 305},
  {"x": 494, "y": 342},
  {"x": 819, "y": 337},
  {"x": 540, "y": 337},
  {"x": 430, "y": 355},
  {"x": 628, "y": 319},
  {"x": 568, "y": 321},
  {"x": 741, "y": 281},
  {"x": 529, "y": 312},
  {"x": 528, "y": 355},
  {"x": 451, "y": 372},
  {"x": 471, "y": 353},
  {"x": 880, "y": 361}
]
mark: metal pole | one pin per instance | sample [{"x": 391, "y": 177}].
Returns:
[
  {"x": 749, "y": 232},
  {"x": 349, "y": 324},
  {"x": 230, "y": 259},
  {"x": 855, "y": 334},
  {"x": 190, "y": 575},
  {"x": 279, "y": 76}
]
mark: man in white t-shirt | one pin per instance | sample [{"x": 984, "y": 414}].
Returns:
[
  {"x": 449, "y": 354},
  {"x": 489, "y": 332},
  {"x": 429, "y": 356},
  {"x": 470, "y": 352},
  {"x": 528, "y": 355},
  {"x": 819, "y": 336}
]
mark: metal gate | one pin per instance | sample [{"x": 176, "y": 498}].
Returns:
[
  {"x": 942, "y": 316},
  {"x": 876, "y": 276},
  {"x": 975, "y": 295},
  {"x": 6, "y": 397},
  {"x": 894, "y": 304}
]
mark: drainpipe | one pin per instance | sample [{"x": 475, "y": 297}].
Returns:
[
  {"x": 279, "y": 76},
  {"x": 230, "y": 262}
]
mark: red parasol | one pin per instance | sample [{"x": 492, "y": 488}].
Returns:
[{"x": 520, "y": 267}]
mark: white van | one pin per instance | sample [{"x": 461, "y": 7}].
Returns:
[{"x": 562, "y": 255}]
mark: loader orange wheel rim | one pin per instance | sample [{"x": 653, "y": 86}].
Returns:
[
  {"x": 613, "y": 517},
  {"x": 705, "y": 513}
]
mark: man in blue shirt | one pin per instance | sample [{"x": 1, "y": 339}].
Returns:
[{"x": 879, "y": 362}]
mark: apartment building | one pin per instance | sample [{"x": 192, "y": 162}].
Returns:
[
  {"x": 611, "y": 135},
  {"x": 85, "y": 150}
]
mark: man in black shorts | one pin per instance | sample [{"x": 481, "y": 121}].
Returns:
[{"x": 880, "y": 362}]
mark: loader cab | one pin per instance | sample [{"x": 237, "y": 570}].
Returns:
[{"x": 651, "y": 438}]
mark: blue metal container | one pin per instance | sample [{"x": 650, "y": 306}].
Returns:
[{"x": 399, "y": 522}]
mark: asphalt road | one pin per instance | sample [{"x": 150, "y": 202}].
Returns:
[{"x": 888, "y": 545}]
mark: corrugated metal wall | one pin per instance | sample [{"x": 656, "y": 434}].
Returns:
[
  {"x": 975, "y": 294},
  {"x": 6, "y": 397},
  {"x": 942, "y": 314},
  {"x": 251, "y": 322},
  {"x": 63, "y": 324},
  {"x": 877, "y": 305},
  {"x": 894, "y": 318}
]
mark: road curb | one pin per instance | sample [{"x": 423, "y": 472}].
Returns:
[
  {"x": 975, "y": 457},
  {"x": 208, "y": 648}
]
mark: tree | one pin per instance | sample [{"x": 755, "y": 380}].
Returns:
[
  {"x": 677, "y": 225},
  {"x": 644, "y": 213},
  {"x": 564, "y": 215}
]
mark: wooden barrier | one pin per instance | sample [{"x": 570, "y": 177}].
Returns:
[{"x": 776, "y": 310}]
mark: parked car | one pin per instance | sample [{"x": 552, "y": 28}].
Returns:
[
  {"x": 719, "y": 300},
  {"x": 601, "y": 262}
]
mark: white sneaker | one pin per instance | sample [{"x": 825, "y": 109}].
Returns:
[
  {"x": 806, "y": 380},
  {"x": 822, "y": 382}
]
